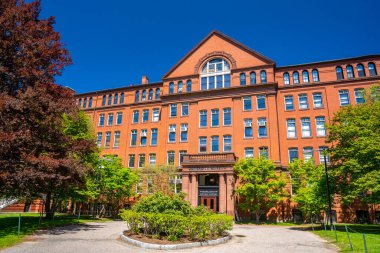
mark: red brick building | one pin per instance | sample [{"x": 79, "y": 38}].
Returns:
[{"x": 224, "y": 101}]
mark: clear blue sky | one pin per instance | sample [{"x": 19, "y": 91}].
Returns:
[{"x": 113, "y": 43}]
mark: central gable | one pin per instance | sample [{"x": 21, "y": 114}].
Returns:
[{"x": 217, "y": 44}]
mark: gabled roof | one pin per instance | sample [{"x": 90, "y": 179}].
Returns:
[{"x": 226, "y": 38}]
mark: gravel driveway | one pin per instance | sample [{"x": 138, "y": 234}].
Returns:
[{"x": 103, "y": 237}]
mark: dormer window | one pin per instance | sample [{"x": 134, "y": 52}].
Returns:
[{"x": 215, "y": 73}]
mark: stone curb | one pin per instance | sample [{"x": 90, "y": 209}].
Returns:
[{"x": 145, "y": 245}]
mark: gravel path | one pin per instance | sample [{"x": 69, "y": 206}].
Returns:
[{"x": 103, "y": 237}]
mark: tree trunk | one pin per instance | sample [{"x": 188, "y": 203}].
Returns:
[
  {"x": 257, "y": 217},
  {"x": 48, "y": 210}
]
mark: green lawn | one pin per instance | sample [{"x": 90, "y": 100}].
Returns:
[
  {"x": 29, "y": 224},
  {"x": 356, "y": 231}
]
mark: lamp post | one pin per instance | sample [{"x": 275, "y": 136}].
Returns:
[{"x": 328, "y": 189}]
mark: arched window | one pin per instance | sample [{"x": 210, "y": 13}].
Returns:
[
  {"x": 85, "y": 103},
  {"x": 122, "y": 98},
  {"x": 143, "y": 95},
  {"x": 116, "y": 99},
  {"x": 361, "y": 71},
  {"x": 263, "y": 76},
  {"x": 90, "y": 102},
  {"x": 137, "y": 96},
  {"x": 252, "y": 77},
  {"x": 315, "y": 75},
  {"x": 104, "y": 100},
  {"x": 350, "y": 71},
  {"x": 242, "y": 79},
  {"x": 109, "y": 99},
  {"x": 286, "y": 78},
  {"x": 372, "y": 69},
  {"x": 171, "y": 88},
  {"x": 80, "y": 102},
  {"x": 188, "y": 85},
  {"x": 215, "y": 73},
  {"x": 180, "y": 86},
  {"x": 339, "y": 73},
  {"x": 150, "y": 96},
  {"x": 305, "y": 76},
  {"x": 158, "y": 93},
  {"x": 296, "y": 77}
]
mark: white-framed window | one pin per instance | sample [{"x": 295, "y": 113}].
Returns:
[
  {"x": 143, "y": 137},
  {"x": 145, "y": 115},
  {"x": 101, "y": 120},
  {"x": 247, "y": 103},
  {"x": 321, "y": 151},
  {"x": 172, "y": 130},
  {"x": 320, "y": 123},
  {"x": 344, "y": 97},
  {"x": 215, "y": 117},
  {"x": 289, "y": 103},
  {"x": 227, "y": 143},
  {"x": 202, "y": 144},
  {"x": 264, "y": 152},
  {"x": 119, "y": 118},
  {"x": 293, "y": 154},
  {"x": 262, "y": 127},
  {"x": 248, "y": 152},
  {"x": 260, "y": 99},
  {"x": 227, "y": 117},
  {"x": 302, "y": 101},
  {"x": 203, "y": 118},
  {"x": 99, "y": 137},
  {"x": 180, "y": 86},
  {"x": 133, "y": 138},
  {"x": 305, "y": 127},
  {"x": 135, "y": 118},
  {"x": 107, "y": 140},
  {"x": 116, "y": 139},
  {"x": 214, "y": 143},
  {"x": 307, "y": 153},
  {"x": 154, "y": 137},
  {"x": 171, "y": 157},
  {"x": 185, "y": 109},
  {"x": 248, "y": 132},
  {"x": 291, "y": 128},
  {"x": 359, "y": 95},
  {"x": 141, "y": 160},
  {"x": 155, "y": 114},
  {"x": 152, "y": 159},
  {"x": 181, "y": 154},
  {"x": 131, "y": 161},
  {"x": 173, "y": 110},
  {"x": 317, "y": 100},
  {"x": 110, "y": 119},
  {"x": 215, "y": 73},
  {"x": 184, "y": 133}
]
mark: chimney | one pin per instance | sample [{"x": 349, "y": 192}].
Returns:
[{"x": 144, "y": 80}]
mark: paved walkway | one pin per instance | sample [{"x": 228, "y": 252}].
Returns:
[{"x": 103, "y": 237}]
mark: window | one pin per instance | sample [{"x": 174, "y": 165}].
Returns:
[
  {"x": 181, "y": 154},
  {"x": 203, "y": 118},
  {"x": 247, "y": 103},
  {"x": 171, "y": 157},
  {"x": 152, "y": 159},
  {"x": 260, "y": 102},
  {"x": 344, "y": 97},
  {"x": 131, "y": 161},
  {"x": 110, "y": 119},
  {"x": 173, "y": 110},
  {"x": 137, "y": 96},
  {"x": 119, "y": 118},
  {"x": 321, "y": 152},
  {"x": 286, "y": 78},
  {"x": 305, "y": 127},
  {"x": 293, "y": 154},
  {"x": 143, "y": 95},
  {"x": 320, "y": 125},
  {"x": 302, "y": 100},
  {"x": 154, "y": 137},
  {"x": 242, "y": 79},
  {"x": 248, "y": 133},
  {"x": 263, "y": 76},
  {"x": 104, "y": 100},
  {"x": 145, "y": 116},
  {"x": 317, "y": 100},
  {"x": 339, "y": 73},
  {"x": 90, "y": 102},
  {"x": 215, "y": 72},
  {"x": 315, "y": 75},
  {"x": 135, "y": 118},
  {"x": 307, "y": 153},
  {"x": 183, "y": 135},
  {"x": 155, "y": 115},
  {"x": 359, "y": 95},
  {"x": 171, "y": 88},
  {"x": 172, "y": 133},
  {"x": 141, "y": 160},
  {"x": 109, "y": 99},
  {"x": 215, "y": 117},
  {"x": 85, "y": 103},
  {"x": 188, "y": 85},
  {"x": 99, "y": 137},
  {"x": 252, "y": 78},
  {"x": 116, "y": 139},
  {"x": 101, "y": 120},
  {"x": 150, "y": 96},
  {"x": 305, "y": 76},
  {"x": 262, "y": 123},
  {"x": 263, "y": 152},
  {"x": 122, "y": 98},
  {"x": 248, "y": 152},
  {"x": 361, "y": 71},
  {"x": 289, "y": 103},
  {"x": 133, "y": 137},
  {"x": 372, "y": 69},
  {"x": 185, "y": 109},
  {"x": 180, "y": 86},
  {"x": 116, "y": 99},
  {"x": 202, "y": 144},
  {"x": 214, "y": 143},
  {"x": 107, "y": 141},
  {"x": 227, "y": 143},
  {"x": 80, "y": 102},
  {"x": 350, "y": 71},
  {"x": 143, "y": 137},
  {"x": 291, "y": 128},
  {"x": 296, "y": 77},
  {"x": 227, "y": 117},
  {"x": 158, "y": 93}
]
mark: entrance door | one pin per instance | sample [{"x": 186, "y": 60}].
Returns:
[{"x": 209, "y": 202}]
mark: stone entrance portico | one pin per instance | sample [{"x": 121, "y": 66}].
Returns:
[{"x": 208, "y": 179}]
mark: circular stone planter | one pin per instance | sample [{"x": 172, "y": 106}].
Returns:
[{"x": 175, "y": 246}]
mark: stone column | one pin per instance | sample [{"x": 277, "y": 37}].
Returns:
[
  {"x": 222, "y": 194},
  {"x": 185, "y": 186},
  {"x": 194, "y": 186},
  {"x": 230, "y": 194}
]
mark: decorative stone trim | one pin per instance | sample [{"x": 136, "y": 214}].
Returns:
[
  {"x": 145, "y": 245},
  {"x": 213, "y": 54}
]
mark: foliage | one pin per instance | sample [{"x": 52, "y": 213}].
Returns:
[
  {"x": 309, "y": 188},
  {"x": 159, "y": 175},
  {"x": 260, "y": 185},
  {"x": 355, "y": 152}
]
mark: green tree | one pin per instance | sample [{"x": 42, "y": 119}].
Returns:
[
  {"x": 260, "y": 185},
  {"x": 355, "y": 153}
]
